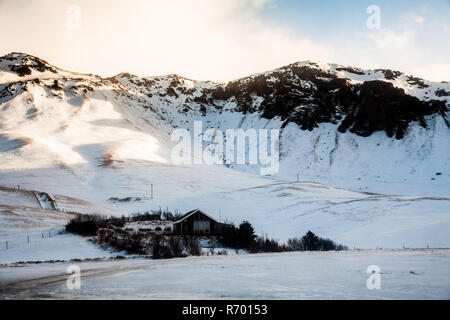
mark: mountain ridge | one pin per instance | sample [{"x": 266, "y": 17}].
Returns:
[{"x": 306, "y": 93}]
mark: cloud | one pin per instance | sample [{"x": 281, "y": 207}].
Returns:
[
  {"x": 210, "y": 40},
  {"x": 435, "y": 71},
  {"x": 388, "y": 39},
  {"x": 415, "y": 18},
  {"x": 201, "y": 39}
]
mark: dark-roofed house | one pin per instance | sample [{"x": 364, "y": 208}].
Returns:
[{"x": 198, "y": 222}]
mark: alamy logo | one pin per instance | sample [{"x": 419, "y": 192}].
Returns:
[
  {"x": 374, "y": 20},
  {"x": 235, "y": 146},
  {"x": 74, "y": 280},
  {"x": 73, "y": 21},
  {"x": 374, "y": 281}
]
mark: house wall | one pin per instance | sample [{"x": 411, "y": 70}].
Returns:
[{"x": 187, "y": 225}]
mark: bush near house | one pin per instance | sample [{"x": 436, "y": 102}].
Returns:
[
  {"x": 109, "y": 232},
  {"x": 87, "y": 225},
  {"x": 156, "y": 215},
  {"x": 311, "y": 242},
  {"x": 244, "y": 237}
]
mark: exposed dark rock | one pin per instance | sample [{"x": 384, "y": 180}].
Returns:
[
  {"x": 442, "y": 93},
  {"x": 417, "y": 81},
  {"x": 351, "y": 70},
  {"x": 21, "y": 70},
  {"x": 24, "y": 64},
  {"x": 171, "y": 92},
  {"x": 390, "y": 74},
  {"x": 56, "y": 86},
  {"x": 309, "y": 96},
  {"x": 11, "y": 90},
  {"x": 381, "y": 106}
]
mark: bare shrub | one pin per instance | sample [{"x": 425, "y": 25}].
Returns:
[
  {"x": 176, "y": 246},
  {"x": 192, "y": 245}
]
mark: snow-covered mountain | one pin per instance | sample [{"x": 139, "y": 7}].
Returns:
[
  {"x": 106, "y": 140},
  {"x": 340, "y": 125}
]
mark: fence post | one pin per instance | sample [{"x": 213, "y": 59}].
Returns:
[
  {"x": 6, "y": 244},
  {"x": 49, "y": 234},
  {"x": 28, "y": 239}
]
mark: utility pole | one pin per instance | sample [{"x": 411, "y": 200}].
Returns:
[{"x": 151, "y": 191}]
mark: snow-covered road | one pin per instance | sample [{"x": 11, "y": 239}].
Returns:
[{"x": 405, "y": 274}]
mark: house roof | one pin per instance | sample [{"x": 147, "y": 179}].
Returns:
[{"x": 190, "y": 213}]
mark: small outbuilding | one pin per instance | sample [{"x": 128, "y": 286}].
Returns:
[{"x": 196, "y": 222}]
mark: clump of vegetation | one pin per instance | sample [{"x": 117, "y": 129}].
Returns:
[
  {"x": 241, "y": 237},
  {"x": 164, "y": 247},
  {"x": 311, "y": 242},
  {"x": 264, "y": 244},
  {"x": 88, "y": 225},
  {"x": 108, "y": 231},
  {"x": 192, "y": 245},
  {"x": 154, "y": 215},
  {"x": 148, "y": 216},
  {"x": 244, "y": 237}
]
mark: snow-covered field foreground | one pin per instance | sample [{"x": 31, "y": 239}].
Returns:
[{"x": 415, "y": 274}]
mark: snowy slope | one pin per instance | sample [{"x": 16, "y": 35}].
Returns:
[
  {"x": 290, "y": 209},
  {"x": 33, "y": 234},
  {"x": 18, "y": 198},
  {"x": 59, "y": 247},
  {"x": 415, "y": 164},
  {"x": 50, "y": 202},
  {"x": 96, "y": 140}
]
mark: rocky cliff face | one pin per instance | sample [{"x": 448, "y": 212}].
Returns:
[{"x": 308, "y": 95}]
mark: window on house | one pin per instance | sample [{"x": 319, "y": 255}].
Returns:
[{"x": 202, "y": 226}]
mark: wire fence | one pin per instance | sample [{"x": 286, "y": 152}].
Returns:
[{"x": 31, "y": 238}]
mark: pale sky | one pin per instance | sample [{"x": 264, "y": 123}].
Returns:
[{"x": 221, "y": 40}]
